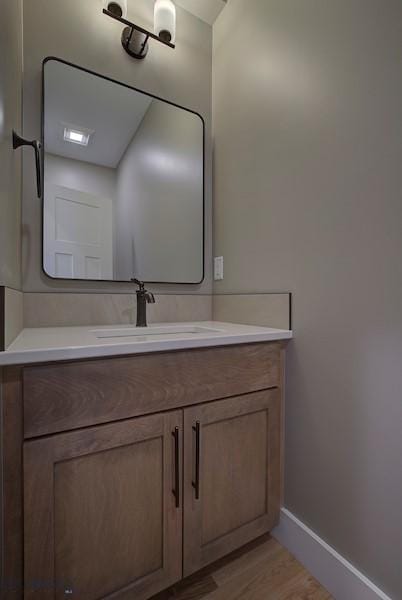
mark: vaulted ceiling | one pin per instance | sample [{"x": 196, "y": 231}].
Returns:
[{"x": 207, "y": 10}]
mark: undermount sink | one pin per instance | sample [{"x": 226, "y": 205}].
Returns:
[{"x": 157, "y": 330}]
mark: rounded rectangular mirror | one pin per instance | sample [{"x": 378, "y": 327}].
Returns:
[{"x": 123, "y": 181}]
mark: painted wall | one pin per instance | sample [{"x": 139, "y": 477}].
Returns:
[
  {"x": 10, "y": 161},
  {"x": 77, "y": 31},
  {"x": 80, "y": 175},
  {"x": 308, "y": 181},
  {"x": 159, "y": 208}
]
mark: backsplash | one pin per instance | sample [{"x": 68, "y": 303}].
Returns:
[
  {"x": 67, "y": 310},
  {"x": 12, "y": 316},
  {"x": 64, "y": 310},
  {"x": 266, "y": 310}
]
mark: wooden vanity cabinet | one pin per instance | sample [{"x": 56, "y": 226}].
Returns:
[{"x": 138, "y": 471}]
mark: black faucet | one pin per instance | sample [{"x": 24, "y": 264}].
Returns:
[{"x": 143, "y": 298}]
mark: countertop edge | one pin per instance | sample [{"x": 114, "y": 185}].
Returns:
[{"x": 35, "y": 356}]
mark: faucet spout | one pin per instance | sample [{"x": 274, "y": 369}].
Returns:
[{"x": 150, "y": 298}]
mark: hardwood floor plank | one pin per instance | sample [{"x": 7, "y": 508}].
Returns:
[
  {"x": 260, "y": 581},
  {"x": 193, "y": 588},
  {"x": 303, "y": 587},
  {"x": 263, "y": 553},
  {"x": 262, "y": 570}
]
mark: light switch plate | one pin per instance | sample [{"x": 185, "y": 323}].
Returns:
[{"x": 218, "y": 268}]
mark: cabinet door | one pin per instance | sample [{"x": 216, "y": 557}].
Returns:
[
  {"x": 103, "y": 516},
  {"x": 231, "y": 475}
]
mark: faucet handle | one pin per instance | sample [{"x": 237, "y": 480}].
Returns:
[{"x": 139, "y": 283}]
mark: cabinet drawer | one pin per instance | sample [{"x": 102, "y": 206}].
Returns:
[{"x": 60, "y": 397}]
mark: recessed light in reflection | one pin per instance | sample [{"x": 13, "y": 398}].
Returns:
[{"x": 76, "y": 137}]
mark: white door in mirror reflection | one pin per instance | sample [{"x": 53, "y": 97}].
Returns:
[{"x": 78, "y": 235}]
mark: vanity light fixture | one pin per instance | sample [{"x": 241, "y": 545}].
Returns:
[{"x": 134, "y": 38}]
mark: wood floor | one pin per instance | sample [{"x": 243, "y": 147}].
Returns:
[{"x": 263, "y": 570}]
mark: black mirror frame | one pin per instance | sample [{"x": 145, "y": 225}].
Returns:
[{"x": 69, "y": 64}]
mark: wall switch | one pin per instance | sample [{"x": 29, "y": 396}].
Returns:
[{"x": 218, "y": 268}]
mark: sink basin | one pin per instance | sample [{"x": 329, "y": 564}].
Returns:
[{"x": 153, "y": 331}]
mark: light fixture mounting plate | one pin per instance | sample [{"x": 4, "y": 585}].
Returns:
[{"x": 134, "y": 42}]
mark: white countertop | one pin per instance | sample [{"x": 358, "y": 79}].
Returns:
[{"x": 47, "y": 344}]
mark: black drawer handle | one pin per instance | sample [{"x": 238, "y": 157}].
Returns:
[
  {"x": 196, "y": 483},
  {"x": 176, "y": 490}
]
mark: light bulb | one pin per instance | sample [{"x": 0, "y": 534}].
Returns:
[{"x": 165, "y": 20}]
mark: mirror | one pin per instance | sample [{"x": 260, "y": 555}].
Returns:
[{"x": 123, "y": 181}]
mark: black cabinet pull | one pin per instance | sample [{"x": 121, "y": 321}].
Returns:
[
  {"x": 176, "y": 490},
  {"x": 18, "y": 141},
  {"x": 196, "y": 483}
]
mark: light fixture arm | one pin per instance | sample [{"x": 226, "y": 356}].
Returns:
[
  {"x": 135, "y": 38},
  {"x": 18, "y": 141}
]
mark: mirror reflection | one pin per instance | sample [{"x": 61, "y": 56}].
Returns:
[{"x": 123, "y": 182}]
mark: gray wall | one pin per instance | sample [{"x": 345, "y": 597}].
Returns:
[
  {"x": 77, "y": 31},
  {"x": 10, "y": 161},
  {"x": 308, "y": 183},
  {"x": 159, "y": 208},
  {"x": 80, "y": 175}
]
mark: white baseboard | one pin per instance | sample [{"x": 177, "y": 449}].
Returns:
[{"x": 333, "y": 571}]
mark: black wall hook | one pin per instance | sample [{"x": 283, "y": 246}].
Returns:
[{"x": 18, "y": 141}]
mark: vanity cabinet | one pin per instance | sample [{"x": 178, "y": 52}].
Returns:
[{"x": 138, "y": 471}]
